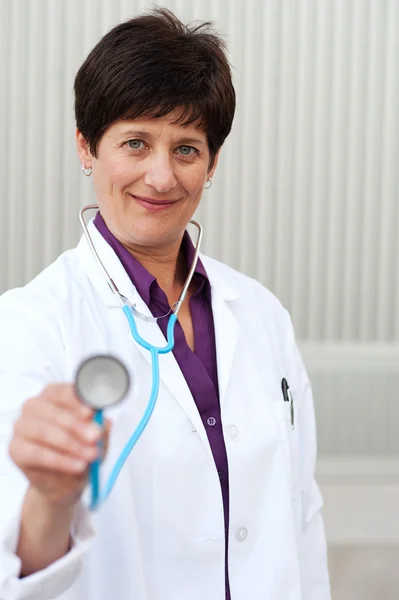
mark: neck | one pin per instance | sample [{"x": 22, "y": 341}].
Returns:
[{"x": 166, "y": 265}]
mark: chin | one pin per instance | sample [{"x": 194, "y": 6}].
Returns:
[{"x": 154, "y": 237}]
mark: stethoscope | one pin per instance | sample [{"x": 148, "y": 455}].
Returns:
[{"x": 102, "y": 381}]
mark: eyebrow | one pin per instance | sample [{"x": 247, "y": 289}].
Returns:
[
  {"x": 136, "y": 133},
  {"x": 188, "y": 140}
]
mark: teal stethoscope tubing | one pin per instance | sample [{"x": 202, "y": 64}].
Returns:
[{"x": 94, "y": 471}]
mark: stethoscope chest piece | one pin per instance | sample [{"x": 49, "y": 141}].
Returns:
[{"x": 102, "y": 381}]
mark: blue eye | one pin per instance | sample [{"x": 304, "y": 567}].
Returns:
[
  {"x": 134, "y": 144},
  {"x": 187, "y": 150}
]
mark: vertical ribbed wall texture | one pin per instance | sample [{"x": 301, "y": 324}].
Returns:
[{"x": 305, "y": 198}]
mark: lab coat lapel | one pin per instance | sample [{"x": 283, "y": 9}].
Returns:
[
  {"x": 226, "y": 326},
  {"x": 170, "y": 373}
]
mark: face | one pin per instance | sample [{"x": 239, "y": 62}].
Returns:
[{"x": 148, "y": 177}]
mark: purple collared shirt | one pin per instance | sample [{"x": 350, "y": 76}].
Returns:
[{"x": 199, "y": 368}]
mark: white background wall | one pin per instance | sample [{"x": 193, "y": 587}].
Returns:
[{"x": 305, "y": 198}]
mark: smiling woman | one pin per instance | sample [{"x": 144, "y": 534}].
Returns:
[
  {"x": 149, "y": 181},
  {"x": 218, "y": 499},
  {"x": 150, "y": 126}
]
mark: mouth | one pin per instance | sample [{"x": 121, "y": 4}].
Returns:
[{"x": 152, "y": 204}]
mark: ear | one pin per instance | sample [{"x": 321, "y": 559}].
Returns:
[
  {"x": 214, "y": 165},
  {"x": 85, "y": 155}
]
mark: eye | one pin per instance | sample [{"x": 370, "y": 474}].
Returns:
[
  {"x": 135, "y": 144},
  {"x": 187, "y": 150}
]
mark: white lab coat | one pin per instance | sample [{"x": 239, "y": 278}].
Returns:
[{"x": 160, "y": 535}]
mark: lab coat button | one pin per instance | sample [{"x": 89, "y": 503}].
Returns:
[
  {"x": 242, "y": 534},
  {"x": 211, "y": 421},
  {"x": 233, "y": 432}
]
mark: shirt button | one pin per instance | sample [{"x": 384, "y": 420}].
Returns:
[
  {"x": 233, "y": 432},
  {"x": 241, "y": 534},
  {"x": 221, "y": 475},
  {"x": 211, "y": 421}
]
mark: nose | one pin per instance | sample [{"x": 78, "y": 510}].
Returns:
[{"x": 160, "y": 173}]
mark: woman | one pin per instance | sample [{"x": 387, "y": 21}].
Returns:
[{"x": 218, "y": 498}]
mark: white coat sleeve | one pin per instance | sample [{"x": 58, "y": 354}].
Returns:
[
  {"x": 31, "y": 356},
  {"x": 313, "y": 551}
]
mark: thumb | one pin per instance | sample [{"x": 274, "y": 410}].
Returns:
[{"x": 105, "y": 439}]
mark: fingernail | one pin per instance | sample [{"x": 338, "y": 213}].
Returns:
[
  {"x": 93, "y": 432},
  {"x": 79, "y": 465},
  {"x": 86, "y": 410},
  {"x": 90, "y": 453}
]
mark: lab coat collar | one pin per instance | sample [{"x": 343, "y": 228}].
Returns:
[
  {"x": 219, "y": 285},
  {"x": 226, "y": 327},
  {"x": 111, "y": 263}
]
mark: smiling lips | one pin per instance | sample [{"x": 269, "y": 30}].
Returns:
[{"x": 154, "y": 205}]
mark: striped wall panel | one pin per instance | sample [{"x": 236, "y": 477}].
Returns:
[{"x": 305, "y": 198}]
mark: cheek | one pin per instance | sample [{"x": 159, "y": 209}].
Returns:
[
  {"x": 115, "y": 174},
  {"x": 195, "y": 183},
  {"x": 121, "y": 171}
]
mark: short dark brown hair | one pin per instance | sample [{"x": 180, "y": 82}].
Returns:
[{"x": 151, "y": 65}]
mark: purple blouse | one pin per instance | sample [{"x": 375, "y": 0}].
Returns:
[{"x": 199, "y": 368}]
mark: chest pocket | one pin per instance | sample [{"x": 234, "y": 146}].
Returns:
[
  {"x": 290, "y": 439},
  {"x": 289, "y": 435}
]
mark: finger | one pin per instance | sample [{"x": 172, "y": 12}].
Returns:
[
  {"x": 82, "y": 429},
  {"x": 85, "y": 431},
  {"x": 65, "y": 396},
  {"x": 107, "y": 428},
  {"x": 48, "y": 434},
  {"x": 28, "y": 455},
  {"x": 58, "y": 396}
]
